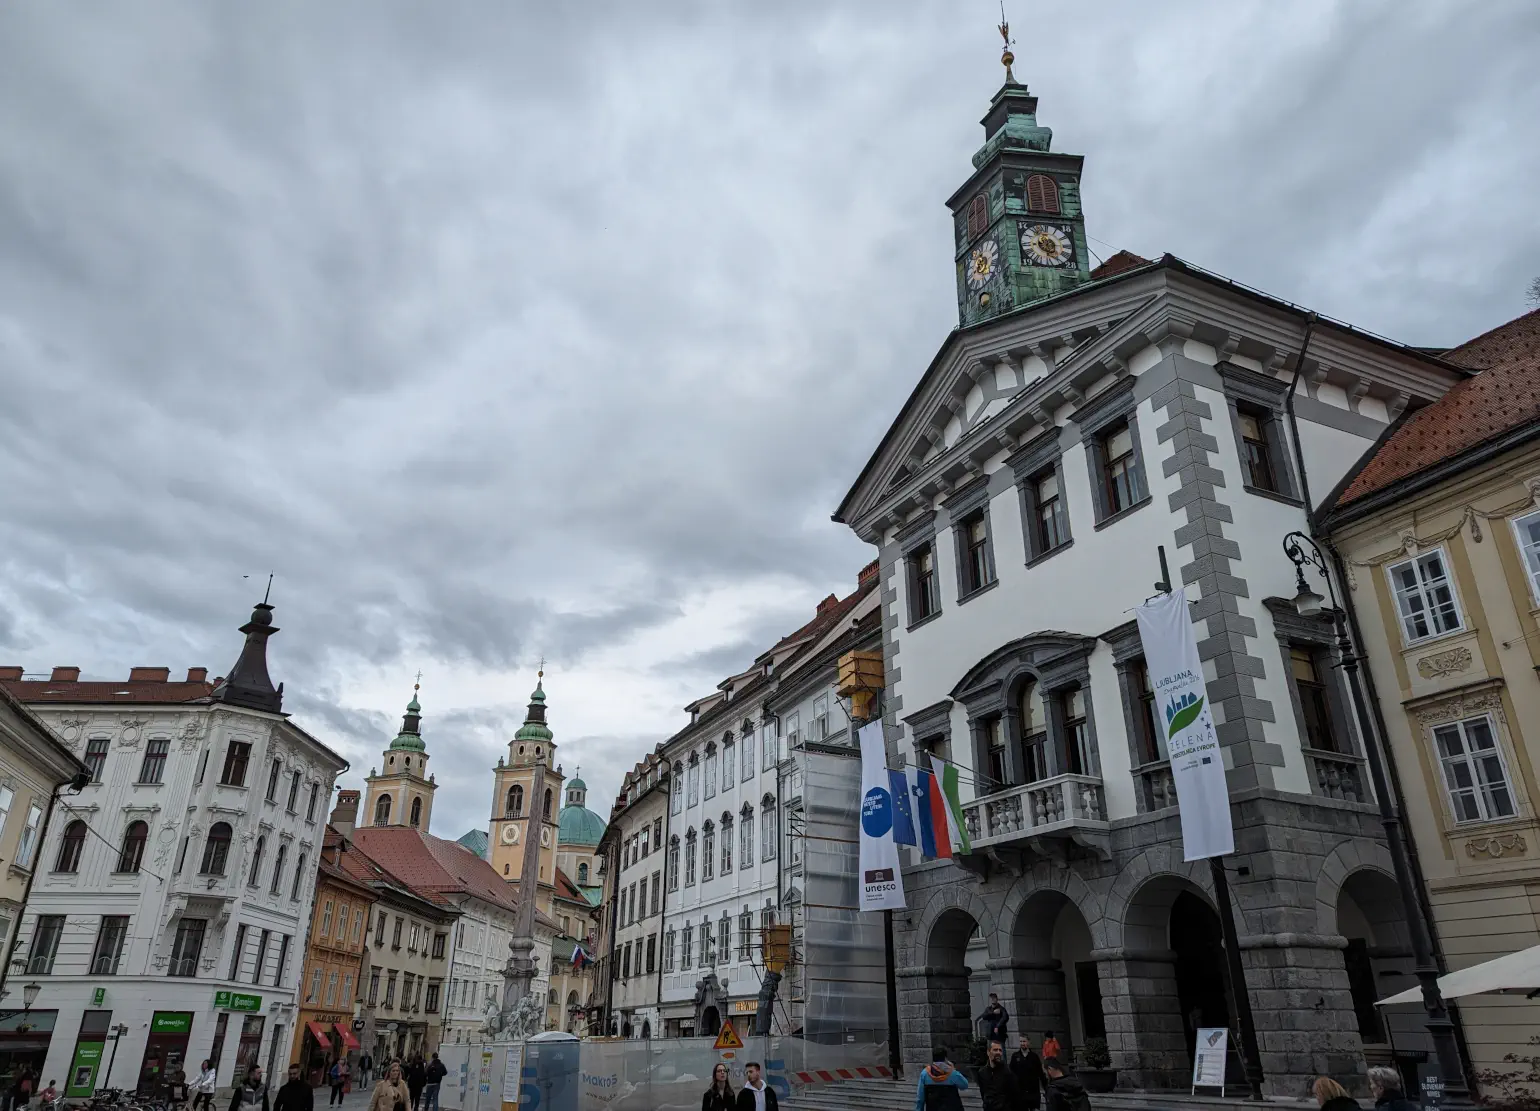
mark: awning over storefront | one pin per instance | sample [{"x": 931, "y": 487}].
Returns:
[
  {"x": 319, "y": 1033},
  {"x": 1516, "y": 972},
  {"x": 349, "y": 1042}
]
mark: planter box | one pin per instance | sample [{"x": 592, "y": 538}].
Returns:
[{"x": 1098, "y": 1080}]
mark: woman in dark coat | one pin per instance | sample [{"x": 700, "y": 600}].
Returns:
[{"x": 718, "y": 1097}]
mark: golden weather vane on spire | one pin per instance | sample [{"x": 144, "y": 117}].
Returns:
[{"x": 1007, "y": 59}]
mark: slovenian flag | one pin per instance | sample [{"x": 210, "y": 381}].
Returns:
[
  {"x": 946, "y": 777},
  {"x": 930, "y": 816},
  {"x": 903, "y": 810},
  {"x": 580, "y": 959}
]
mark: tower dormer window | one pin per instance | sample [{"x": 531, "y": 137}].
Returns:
[
  {"x": 515, "y": 807},
  {"x": 382, "y": 811},
  {"x": 1042, "y": 194},
  {"x": 978, "y": 216}
]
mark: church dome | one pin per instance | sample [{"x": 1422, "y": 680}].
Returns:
[{"x": 579, "y": 826}]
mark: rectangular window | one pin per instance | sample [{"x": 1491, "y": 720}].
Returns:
[
  {"x": 261, "y": 962},
  {"x": 45, "y": 944},
  {"x": 293, "y": 793},
  {"x": 1122, "y": 484},
  {"x": 770, "y": 743},
  {"x": 379, "y": 931},
  {"x": 1049, "y": 519},
  {"x": 374, "y": 987},
  {"x": 727, "y": 846},
  {"x": 283, "y": 960},
  {"x": 631, "y": 903},
  {"x": 315, "y": 794},
  {"x": 646, "y": 841},
  {"x": 818, "y": 726},
  {"x": 725, "y": 938},
  {"x": 924, "y": 598},
  {"x": 668, "y": 951},
  {"x": 326, "y": 919},
  {"x": 438, "y": 946},
  {"x": 7, "y": 799},
  {"x": 977, "y": 564},
  {"x": 767, "y": 832},
  {"x": 390, "y": 989},
  {"x": 395, "y": 935},
  {"x": 237, "y": 756},
  {"x": 411, "y": 940},
  {"x": 692, "y": 792},
  {"x": 1147, "y": 734},
  {"x": 314, "y": 991},
  {"x": 642, "y": 896},
  {"x": 746, "y": 759},
  {"x": 188, "y": 947},
  {"x": 652, "y": 955},
  {"x": 1474, "y": 773},
  {"x": 96, "y": 756},
  {"x": 711, "y": 772},
  {"x": 625, "y": 962},
  {"x": 110, "y": 936},
  {"x": 727, "y": 764},
  {"x": 347, "y": 989},
  {"x": 431, "y": 1003},
  {"x": 1527, "y": 530},
  {"x": 656, "y": 892},
  {"x": 237, "y": 951},
  {"x": 26, "y": 848},
  {"x": 1425, "y": 596},
  {"x": 705, "y": 945},
  {"x": 1313, "y": 703},
  {"x": 272, "y": 780},
  {"x": 994, "y": 742},
  {"x": 708, "y": 852},
  {"x": 331, "y": 989},
  {"x": 673, "y": 865},
  {"x": 676, "y": 800},
  {"x": 203, "y": 765},
  {"x": 689, "y": 859},
  {"x": 688, "y": 939},
  {"x": 657, "y": 834},
  {"x": 1077, "y": 735},
  {"x": 745, "y": 935},
  {"x": 746, "y": 838},
  {"x": 342, "y": 923},
  {"x": 1255, "y": 428},
  {"x": 153, "y": 770},
  {"x": 407, "y": 981}
]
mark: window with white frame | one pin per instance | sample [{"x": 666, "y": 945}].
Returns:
[
  {"x": 1475, "y": 775},
  {"x": 678, "y": 795},
  {"x": 692, "y": 790},
  {"x": 818, "y": 727},
  {"x": 725, "y": 938},
  {"x": 1425, "y": 596},
  {"x": 746, "y": 761},
  {"x": 727, "y": 762},
  {"x": 669, "y": 940},
  {"x": 689, "y": 859},
  {"x": 746, "y": 836},
  {"x": 745, "y": 934},
  {"x": 685, "y": 955},
  {"x": 767, "y": 827},
  {"x": 673, "y": 863},
  {"x": 711, "y": 771},
  {"x": 708, "y": 851},
  {"x": 1527, "y": 531},
  {"x": 772, "y": 744}
]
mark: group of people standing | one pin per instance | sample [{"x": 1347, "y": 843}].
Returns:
[
  {"x": 1024, "y": 1083},
  {"x": 755, "y": 1095}
]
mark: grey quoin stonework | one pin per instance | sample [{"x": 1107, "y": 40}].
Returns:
[{"x": 1294, "y": 856}]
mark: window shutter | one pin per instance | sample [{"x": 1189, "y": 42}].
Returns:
[{"x": 1042, "y": 194}]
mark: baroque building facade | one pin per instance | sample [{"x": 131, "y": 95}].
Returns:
[
  {"x": 1057, "y": 450},
  {"x": 632, "y": 925},
  {"x": 1438, "y": 534},
  {"x": 174, "y": 889}
]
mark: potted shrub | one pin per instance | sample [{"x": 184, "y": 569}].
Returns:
[{"x": 1095, "y": 1066}]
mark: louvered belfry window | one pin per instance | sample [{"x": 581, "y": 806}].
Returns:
[
  {"x": 978, "y": 216},
  {"x": 1042, "y": 194}
]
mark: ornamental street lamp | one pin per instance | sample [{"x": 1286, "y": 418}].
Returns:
[{"x": 1302, "y": 550}]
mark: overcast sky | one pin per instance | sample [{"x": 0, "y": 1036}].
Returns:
[{"x": 496, "y": 332}]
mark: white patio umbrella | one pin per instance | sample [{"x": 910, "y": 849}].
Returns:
[{"x": 1516, "y": 972}]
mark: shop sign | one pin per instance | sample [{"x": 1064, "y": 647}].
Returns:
[
  {"x": 82, "y": 1078},
  {"x": 331, "y": 1020},
  {"x": 358, "y": 1024},
  {"x": 237, "y": 1001},
  {"x": 171, "y": 1022},
  {"x": 746, "y": 1007},
  {"x": 98, "y": 997}
]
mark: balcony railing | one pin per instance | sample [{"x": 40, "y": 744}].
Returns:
[
  {"x": 1337, "y": 776},
  {"x": 1157, "y": 790},
  {"x": 1066, "y": 805}
]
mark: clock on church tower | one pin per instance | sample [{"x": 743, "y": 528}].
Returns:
[{"x": 1019, "y": 230}]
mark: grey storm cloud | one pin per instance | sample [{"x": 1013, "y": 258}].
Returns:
[{"x": 506, "y": 331}]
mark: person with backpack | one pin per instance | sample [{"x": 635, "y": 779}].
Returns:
[
  {"x": 1065, "y": 1093},
  {"x": 434, "y": 1075},
  {"x": 337, "y": 1077},
  {"x": 251, "y": 1093},
  {"x": 941, "y": 1086}
]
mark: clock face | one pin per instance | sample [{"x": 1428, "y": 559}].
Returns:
[
  {"x": 1048, "y": 244},
  {"x": 983, "y": 261}
]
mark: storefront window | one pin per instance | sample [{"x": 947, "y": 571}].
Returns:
[
  {"x": 249, "y": 1046},
  {"x": 165, "y": 1050}
]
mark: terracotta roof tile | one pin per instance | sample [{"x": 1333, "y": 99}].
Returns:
[
  {"x": 431, "y": 864},
  {"x": 1504, "y": 396},
  {"x": 127, "y": 690},
  {"x": 1123, "y": 260}
]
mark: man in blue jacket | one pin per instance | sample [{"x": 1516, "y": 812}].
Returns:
[{"x": 941, "y": 1086}]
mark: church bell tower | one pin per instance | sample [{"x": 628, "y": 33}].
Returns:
[
  {"x": 401, "y": 795},
  {"x": 520, "y": 819},
  {"x": 1018, "y": 229}
]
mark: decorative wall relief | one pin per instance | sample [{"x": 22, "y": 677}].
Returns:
[
  {"x": 1486, "y": 698},
  {"x": 129, "y": 737},
  {"x": 1444, "y": 663},
  {"x": 71, "y": 729},
  {"x": 1496, "y": 846}
]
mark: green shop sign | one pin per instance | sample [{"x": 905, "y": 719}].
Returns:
[
  {"x": 171, "y": 1022},
  {"x": 98, "y": 996},
  {"x": 237, "y": 1001}
]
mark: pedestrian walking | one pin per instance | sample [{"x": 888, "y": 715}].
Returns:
[
  {"x": 49, "y": 1094},
  {"x": 391, "y": 1093},
  {"x": 997, "y": 1083},
  {"x": 1064, "y": 1093},
  {"x": 434, "y": 1075},
  {"x": 756, "y": 1095},
  {"x": 1027, "y": 1067},
  {"x": 1051, "y": 1047},
  {"x": 176, "y": 1093},
  {"x": 719, "y": 1097},
  {"x": 998, "y": 1018},
  {"x": 337, "y": 1077},
  {"x": 21, "y": 1088},
  {"x": 203, "y": 1087},
  {"x": 251, "y": 1093},
  {"x": 295, "y": 1095},
  {"x": 941, "y": 1086},
  {"x": 1331, "y": 1096},
  {"x": 1385, "y": 1087},
  {"x": 365, "y": 1069}
]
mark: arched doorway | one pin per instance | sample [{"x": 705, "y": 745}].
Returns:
[
  {"x": 947, "y": 975},
  {"x": 1056, "y": 984},
  {"x": 711, "y": 1022},
  {"x": 1198, "y": 942},
  {"x": 1378, "y": 961}
]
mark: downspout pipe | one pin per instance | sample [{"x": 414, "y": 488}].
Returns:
[{"x": 1288, "y": 406}]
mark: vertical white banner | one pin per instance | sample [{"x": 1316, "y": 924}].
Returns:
[
  {"x": 882, "y": 884},
  {"x": 1183, "y": 718}
]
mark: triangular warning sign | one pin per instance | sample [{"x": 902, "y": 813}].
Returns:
[{"x": 728, "y": 1038}]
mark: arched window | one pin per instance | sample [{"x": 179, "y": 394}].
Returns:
[
  {"x": 546, "y": 812},
  {"x": 978, "y": 216},
  {"x": 256, "y": 863},
  {"x": 1032, "y": 720},
  {"x": 71, "y": 847},
  {"x": 515, "y": 807},
  {"x": 283, "y": 851},
  {"x": 582, "y": 873},
  {"x": 299, "y": 878},
  {"x": 134, "y": 838},
  {"x": 216, "y": 850},
  {"x": 1042, "y": 194},
  {"x": 382, "y": 811},
  {"x": 417, "y": 811}
]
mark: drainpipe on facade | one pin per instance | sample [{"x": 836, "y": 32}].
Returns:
[
  {"x": 77, "y": 783},
  {"x": 1288, "y": 407}
]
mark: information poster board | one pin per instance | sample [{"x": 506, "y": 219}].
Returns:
[
  {"x": 485, "y": 1086},
  {"x": 1208, "y": 1059},
  {"x": 513, "y": 1073}
]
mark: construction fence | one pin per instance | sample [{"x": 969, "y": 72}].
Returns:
[{"x": 613, "y": 1074}]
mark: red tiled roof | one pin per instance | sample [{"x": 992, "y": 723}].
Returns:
[
  {"x": 831, "y": 611},
  {"x": 1504, "y": 396},
  {"x": 127, "y": 690},
  {"x": 431, "y": 864},
  {"x": 1123, "y": 260},
  {"x": 360, "y": 867}
]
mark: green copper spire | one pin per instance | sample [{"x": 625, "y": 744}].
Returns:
[
  {"x": 410, "y": 737},
  {"x": 534, "y": 727}
]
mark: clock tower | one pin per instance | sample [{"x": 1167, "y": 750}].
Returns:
[
  {"x": 1019, "y": 233},
  {"x": 526, "y": 802}
]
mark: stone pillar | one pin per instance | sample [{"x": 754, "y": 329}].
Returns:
[
  {"x": 1303, "y": 1005},
  {"x": 1015, "y": 758},
  {"x": 1144, "y": 1018},
  {"x": 1039, "y": 1005},
  {"x": 933, "y": 1009}
]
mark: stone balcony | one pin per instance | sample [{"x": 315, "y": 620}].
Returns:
[{"x": 1042, "y": 817}]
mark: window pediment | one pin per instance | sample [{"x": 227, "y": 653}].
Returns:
[{"x": 1052, "y": 657}]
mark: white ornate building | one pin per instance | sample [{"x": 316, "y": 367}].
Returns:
[{"x": 172, "y": 893}]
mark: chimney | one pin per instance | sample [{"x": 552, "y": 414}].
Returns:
[
  {"x": 831, "y": 600},
  {"x": 197, "y": 674},
  {"x": 867, "y": 576},
  {"x": 63, "y": 675},
  {"x": 345, "y": 813},
  {"x": 12, "y": 673},
  {"x": 148, "y": 674}
]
